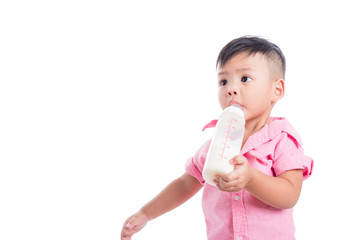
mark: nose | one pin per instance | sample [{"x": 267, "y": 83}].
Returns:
[{"x": 232, "y": 91}]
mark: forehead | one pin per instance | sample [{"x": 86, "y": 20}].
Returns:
[{"x": 245, "y": 62}]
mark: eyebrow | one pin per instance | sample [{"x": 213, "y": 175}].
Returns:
[{"x": 243, "y": 69}]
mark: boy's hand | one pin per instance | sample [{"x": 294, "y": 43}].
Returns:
[
  {"x": 238, "y": 178},
  {"x": 133, "y": 224}
]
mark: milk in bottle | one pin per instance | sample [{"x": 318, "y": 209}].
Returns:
[{"x": 226, "y": 143}]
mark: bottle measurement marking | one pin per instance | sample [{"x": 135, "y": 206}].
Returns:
[{"x": 227, "y": 137}]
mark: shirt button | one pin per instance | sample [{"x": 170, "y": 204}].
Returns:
[
  {"x": 237, "y": 198},
  {"x": 239, "y": 238}
]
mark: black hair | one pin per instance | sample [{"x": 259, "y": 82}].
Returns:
[{"x": 252, "y": 45}]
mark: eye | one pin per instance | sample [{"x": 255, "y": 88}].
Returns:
[
  {"x": 246, "y": 79},
  {"x": 223, "y": 83}
]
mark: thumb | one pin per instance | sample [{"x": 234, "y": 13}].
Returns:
[
  {"x": 131, "y": 223},
  {"x": 137, "y": 221},
  {"x": 238, "y": 160}
]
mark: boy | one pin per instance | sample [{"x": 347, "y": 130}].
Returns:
[{"x": 255, "y": 200}]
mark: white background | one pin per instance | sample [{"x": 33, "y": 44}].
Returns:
[{"x": 102, "y": 102}]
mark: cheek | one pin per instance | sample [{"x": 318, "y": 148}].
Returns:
[
  {"x": 254, "y": 101},
  {"x": 222, "y": 98}
]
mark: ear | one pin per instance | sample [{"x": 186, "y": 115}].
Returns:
[{"x": 278, "y": 90}]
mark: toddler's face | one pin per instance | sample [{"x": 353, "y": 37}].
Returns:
[{"x": 246, "y": 80}]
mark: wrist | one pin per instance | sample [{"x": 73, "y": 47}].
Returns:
[
  {"x": 251, "y": 176},
  {"x": 145, "y": 214}
]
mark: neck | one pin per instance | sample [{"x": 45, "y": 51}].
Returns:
[{"x": 252, "y": 126}]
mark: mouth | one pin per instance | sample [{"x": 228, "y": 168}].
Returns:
[{"x": 233, "y": 102}]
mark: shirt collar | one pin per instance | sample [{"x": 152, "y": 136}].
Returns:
[{"x": 276, "y": 126}]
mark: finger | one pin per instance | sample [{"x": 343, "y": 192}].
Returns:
[
  {"x": 238, "y": 160},
  {"x": 219, "y": 187},
  {"x": 224, "y": 184},
  {"x": 127, "y": 223},
  {"x": 228, "y": 186},
  {"x": 218, "y": 184},
  {"x": 232, "y": 176},
  {"x": 126, "y": 234},
  {"x": 132, "y": 223}
]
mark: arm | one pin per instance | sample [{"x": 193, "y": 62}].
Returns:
[
  {"x": 281, "y": 192},
  {"x": 176, "y": 193}
]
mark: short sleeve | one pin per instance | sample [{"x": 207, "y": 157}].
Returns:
[
  {"x": 289, "y": 155},
  {"x": 194, "y": 165}
]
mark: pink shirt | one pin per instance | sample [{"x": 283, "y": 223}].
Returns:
[{"x": 272, "y": 150}]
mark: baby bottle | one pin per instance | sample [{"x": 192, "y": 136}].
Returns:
[{"x": 226, "y": 143}]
